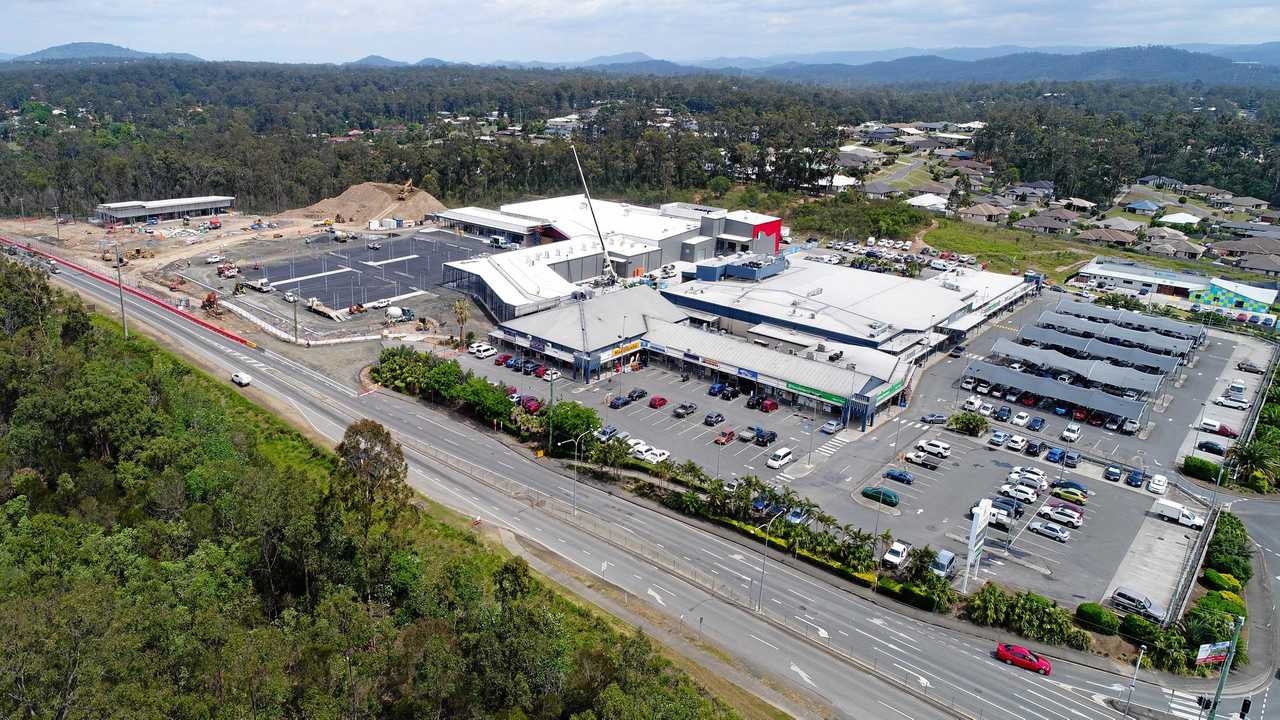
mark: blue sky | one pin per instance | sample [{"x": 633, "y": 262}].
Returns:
[{"x": 484, "y": 30}]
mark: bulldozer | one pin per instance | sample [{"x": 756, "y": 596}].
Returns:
[
  {"x": 406, "y": 190},
  {"x": 139, "y": 253}
]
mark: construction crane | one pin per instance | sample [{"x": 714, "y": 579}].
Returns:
[
  {"x": 404, "y": 191},
  {"x": 608, "y": 264}
]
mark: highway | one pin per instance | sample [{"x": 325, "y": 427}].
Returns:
[{"x": 956, "y": 669}]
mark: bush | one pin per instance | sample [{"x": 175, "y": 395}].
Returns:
[
  {"x": 988, "y": 606},
  {"x": 1223, "y": 601},
  {"x": 1097, "y": 618},
  {"x": 890, "y": 587},
  {"x": 1200, "y": 469},
  {"x": 1215, "y": 580},
  {"x": 1230, "y": 549},
  {"x": 865, "y": 579},
  {"x": 919, "y": 597},
  {"x": 1138, "y": 629}
]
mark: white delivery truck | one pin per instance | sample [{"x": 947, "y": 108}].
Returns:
[{"x": 1178, "y": 513}]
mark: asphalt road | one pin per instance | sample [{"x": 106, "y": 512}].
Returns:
[{"x": 951, "y": 665}]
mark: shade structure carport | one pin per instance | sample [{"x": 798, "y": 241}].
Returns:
[
  {"x": 1047, "y": 387},
  {"x": 1100, "y": 349},
  {"x": 1106, "y": 331},
  {"x": 1095, "y": 371},
  {"x": 1131, "y": 319}
]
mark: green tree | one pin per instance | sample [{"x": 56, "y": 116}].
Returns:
[
  {"x": 719, "y": 185},
  {"x": 371, "y": 482},
  {"x": 968, "y": 423},
  {"x": 568, "y": 421}
]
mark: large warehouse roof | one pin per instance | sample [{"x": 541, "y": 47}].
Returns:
[
  {"x": 1092, "y": 370},
  {"x": 1100, "y": 348},
  {"x": 571, "y": 216},
  {"x": 609, "y": 319},
  {"x": 162, "y": 205},
  {"x": 492, "y": 218},
  {"x": 1151, "y": 340},
  {"x": 524, "y": 276},
  {"x": 1129, "y": 318},
  {"x": 1046, "y": 387},
  {"x": 826, "y": 377},
  {"x": 1125, "y": 270}
]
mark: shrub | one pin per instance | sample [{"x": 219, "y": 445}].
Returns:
[
  {"x": 1223, "y": 601},
  {"x": 988, "y": 606},
  {"x": 865, "y": 579},
  {"x": 919, "y": 597},
  {"x": 890, "y": 587},
  {"x": 1097, "y": 618},
  {"x": 1200, "y": 469},
  {"x": 1215, "y": 580},
  {"x": 1230, "y": 549},
  {"x": 1138, "y": 629}
]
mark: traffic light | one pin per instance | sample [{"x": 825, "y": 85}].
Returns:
[
  {"x": 1244, "y": 707},
  {"x": 1205, "y": 702}
]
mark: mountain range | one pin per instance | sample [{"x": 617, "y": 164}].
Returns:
[{"x": 1210, "y": 63}]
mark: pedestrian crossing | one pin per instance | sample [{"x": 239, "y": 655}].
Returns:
[
  {"x": 785, "y": 477},
  {"x": 831, "y": 447},
  {"x": 911, "y": 423},
  {"x": 1182, "y": 704}
]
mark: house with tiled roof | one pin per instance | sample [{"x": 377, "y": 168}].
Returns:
[
  {"x": 1268, "y": 265},
  {"x": 983, "y": 213},
  {"x": 1043, "y": 224},
  {"x": 1108, "y": 236}
]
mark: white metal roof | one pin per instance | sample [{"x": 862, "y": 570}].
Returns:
[
  {"x": 869, "y": 360},
  {"x": 572, "y": 217},
  {"x": 522, "y": 277},
  {"x": 492, "y": 218},
  {"x": 1100, "y": 267},
  {"x": 609, "y": 318},
  {"x": 928, "y": 201},
  {"x": 1256, "y": 294},
  {"x": 1179, "y": 218},
  {"x": 163, "y": 204},
  {"x": 752, "y": 218}
]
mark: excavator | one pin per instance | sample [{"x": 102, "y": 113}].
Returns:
[
  {"x": 210, "y": 304},
  {"x": 406, "y": 190}
]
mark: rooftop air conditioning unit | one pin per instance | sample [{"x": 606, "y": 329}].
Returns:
[
  {"x": 821, "y": 347},
  {"x": 808, "y": 355}
]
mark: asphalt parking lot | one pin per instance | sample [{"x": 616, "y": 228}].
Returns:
[
  {"x": 686, "y": 438},
  {"x": 342, "y": 274}
]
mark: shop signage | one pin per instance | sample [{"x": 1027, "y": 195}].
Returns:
[
  {"x": 651, "y": 346},
  {"x": 629, "y": 347},
  {"x": 814, "y": 392},
  {"x": 711, "y": 363},
  {"x": 537, "y": 344},
  {"x": 880, "y": 396},
  {"x": 743, "y": 372},
  {"x": 691, "y": 356}
]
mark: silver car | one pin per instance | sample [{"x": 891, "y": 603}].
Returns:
[{"x": 1053, "y": 531}]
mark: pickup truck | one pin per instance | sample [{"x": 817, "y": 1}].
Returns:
[
  {"x": 923, "y": 459},
  {"x": 1178, "y": 513},
  {"x": 896, "y": 555}
]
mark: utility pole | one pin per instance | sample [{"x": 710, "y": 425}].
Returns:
[
  {"x": 1134, "y": 681},
  {"x": 57, "y": 228},
  {"x": 295, "y": 320},
  {"x": 764, "y": 558},
  {"x": 124, "y": 322},
  {"x": 1226, "y": 667}
]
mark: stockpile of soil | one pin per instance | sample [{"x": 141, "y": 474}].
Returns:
[{"x": 361, "y": 203}]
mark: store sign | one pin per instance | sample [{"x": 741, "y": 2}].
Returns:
[
  {"x": 880, "y": 396},
  {"x": 537, "y": 344},
  {"x": 1210, "y": 653},
  {"x": 710, "y": 363},
  {"x": 692, "y": 357},
  {"x": 742, "y": 372},
  {"x": 829, "y": 397},
  {"x": 651, "y": 346},
  {"x": 629, "y": 347}
]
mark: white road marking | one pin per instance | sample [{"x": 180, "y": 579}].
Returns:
[
  {"x": 764, "y": 642},
  {"x": 803, "y": 675},
  {"x": 657, "y": 597}
]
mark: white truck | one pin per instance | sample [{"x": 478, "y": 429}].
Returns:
[
  {"x": 896, "y": 555},
  {"x": 1178, "y": 513},
  {"x": 923, "y": 459}
]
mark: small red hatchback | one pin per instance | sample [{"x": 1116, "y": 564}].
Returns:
[
  {"x": 1023, "y": 658},
  {"x": 768, "y": 406},
  {"x": 657, "y": 401}
]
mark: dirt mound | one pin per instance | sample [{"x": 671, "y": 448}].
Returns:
[{"x": 361, "y": 203}]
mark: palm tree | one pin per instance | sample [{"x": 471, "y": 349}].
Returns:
[
  {"x": 717, "y": 496},
  {"x": 1270, "y": 415},
  {"x": 461, "y": 313},
  {"x": 1256, "y": 457}
]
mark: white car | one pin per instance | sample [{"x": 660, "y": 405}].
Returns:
[
  {"x": 656, "y": 455},
  {"x": 378, "y": 304},
  {"x": 638, "y": 451},
  {"x": 937, "y": 265},
  {"x": 1230, "y": 402},
  {"x": 1062, "y": 515},
  {"x": 1017, "y": 443},
  {"x": 1158, "y": 484},
  {"x": 486, "y": 352},
  {"x": 214, "y": 259},
  {"x": 475, "y": 346},
  {"x": 242, "y": 379},
  {"x": 290, "y": 297},
  {"x": 1020, "y": 420},
  {"x": 551, "y": 375},
  {"x": 986, "y": 409},
  {"x": 634, "y": 443},
  {"x": 972, "y": 403},
  {"x": 1021, "y": 493},
  {"x": 968, "y": 383},
  {"x": 1071, "y": 433},
  {"x": 1028, "y": 475}
]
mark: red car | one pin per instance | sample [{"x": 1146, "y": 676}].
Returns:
[
  {"x": 1097, "y": 418},
  {"x": 1028, "y": 399},
  {"x": 1079, "y": 414},
  {"x": 1225, "y": 431},
  {"x": 1023, "y": 658},
  {"x": 768, "y": 405},
  {"x": 657, "y": 401},
  {"x": 531, "y": 404},
  {"x": 502, "y": 359},
  {"x": 725, "y": 437},
  {"x": 1242, "y": 317}
]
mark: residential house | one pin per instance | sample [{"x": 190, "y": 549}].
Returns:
[
  {"x": 881, "y": 134},
  {"x": 1248, "y": 247},
  {"x": 1063, "y": 214},
  {"x": 933, "y": 127},
  {"x": 929, "y": 186},
  {"x": 1270, "y": 216},
  {"x": 1246, "y": 204},
  {"x": 1163, "y": 233},
  {"x": 973, "y": 126},
  {"x": 878, "y": 190},
  {"x": 1043, "y": 224},
  {"x": 1030, "y": 192},
  {"x": 1184, "y": 249},
  {"x": 1246, "y": 229},
  {"x": 1268, "y": 265},
  {"x": 1079, "y": 205},
  {"x": 923, "y": 144},
  {"x": 984, "y": 213},
  {"x": 930, "y": 202},
  {"x": 1143, "y": 207},
  {"x": 1122, "y": 224},
  {"x": 1161, "y": 181},
  {"x": 1108, "y": 236},
  {"x": 1235, "y": 296},
  {"x": 1204, "y": 191},
  {"x": 1179, "y": 218}
]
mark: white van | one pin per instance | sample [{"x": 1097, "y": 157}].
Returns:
[
  {"x": 780, "y": 457},
  {"x": 937, "y": 448},
  {"x": 486, "y": 352},
  {"x": 972, "y": 403},
  {"x": 1210, "y": 425},
  {"x": 1236, "y": 389}
]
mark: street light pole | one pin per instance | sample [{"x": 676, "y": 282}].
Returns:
[
  {"x": 764, "y": 558},
  {"x": 124, "y": 322},
  {"x": 1226, "y": 667},
  {"x": 576, "y": 469},
  {"x": 1134, "y": 681}
]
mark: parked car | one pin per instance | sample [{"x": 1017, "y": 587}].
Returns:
[
  {"x": 754, "y": 401},
  {"x": 971, "y": 403},
  {"x": 502, "y": 359},
  {"x": 1133, "y": 601},
  {"x": 1071, "y": 495},
  {"x": 657, "y": 401},
  {"x": 986, "y": 409},
  {"x": 1035, "y": 448},
  {"x": 1070, "y": 433},
  {"x": 768, "y": 405},
  {"x": 655, "y": 455},
  {"x": 1112, "y": 473},
  {"x": 552, "y": 375},
  {"x": 1021, "y": 493},
  {"x": 1073, "y": 484},
  {"x": 1079, "y": 414},
  {"x": 1013, "y": 507},
  {"x": 712, "y": 419},
  {"x": 1135, "y": 478},
  {"x": 1230, "y": 402},
  {"x": 1016, "y": 443},
  {"x": 937, "y": 448},
  {"x": 957, "y": 351},
  {"x": 725, "y": 437},
  {"x": 1211, "y": 447},
  {"x": 934, "y": 419},
  {"x": 1020, "y": 420},
  {"x": 882, "y": 495},
  {"x": 1250, "y": 367},
  {"x": 715, "y": 388},
  {"x": 797, "y": 516},
  {"x": 1158, "y": 484},
  {"x": 605, "y": 433},
  {"x": 1036, "y": 424},
  {"x": 1021, "y": 657},
  {"x": 1003, "y": 413},
  {"x": 1071, "y": 459},
  {"x": 831, "y": 427},
  {"x": 1053, "y": 531},
  {"x": 1062, "y": 515},
  {"x": 1227, "y": 432},
  {"x": 1054, "y": 455},
  {"x": 1129, "y": 426},
  {"x": 998, "y": 438},
  {"x": 730, "y": 393},
  {"x": 637, "y": 394},
  {"x": 1112, "y": 423},
  {"x": 531, "y": 404},
  {"x": 765, "y": 438},
  {"x": 899, "y": 475},
  {"x": 619, "y": 401}
]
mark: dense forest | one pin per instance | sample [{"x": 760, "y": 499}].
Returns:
[
  {"x": 171, "y": 551},
  {"x": 78, "y": 134}
]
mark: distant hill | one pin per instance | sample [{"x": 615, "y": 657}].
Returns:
[
  {"x": 862, "y": 57},
  {"x": 1264, "y": 53},
  {"x": 662, "y": 68},
  {"x": 7, "y": 56},
  {"x": 627, "y": 58},
  {"x": 99, "y": 51},
  {"x": 377, "y": 61},
  {"x": 1141, "y": 64},
  {"x": 431, "y": 62}
]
